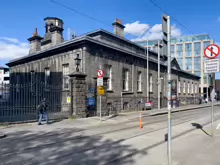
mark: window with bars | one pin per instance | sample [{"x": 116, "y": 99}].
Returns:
[
  {"x": 184, "y": 87},
  {"x": 139, "y": 81},
  {"x": 179, "y": 86},
  {"x": 160, "y": 85},
  {"x": 33, "y": 80},
  {"x": 188, "y": 88},
  {"x": 47, "y": 77},
  {"x": 125, "y": 79},
  {"x": 109, "y": 81},
  {"x": 195, "y": 88},
  {"x": 151, "y": 83},
  {"x": 65, "y": 71}
]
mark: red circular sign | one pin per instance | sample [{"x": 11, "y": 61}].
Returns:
[
  {"x": 212, "y": 51},
  {"x": 100, "y": 73}
]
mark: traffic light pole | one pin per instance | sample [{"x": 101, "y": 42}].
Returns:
[
  {"x": 169, "y": 92},
  {"x": 166, "y": 47}
]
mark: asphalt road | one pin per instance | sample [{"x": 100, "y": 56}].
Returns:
[{"x": 104, "y": 144}]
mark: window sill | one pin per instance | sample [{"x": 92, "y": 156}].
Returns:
[
  {"x": 110, "y": 91},
  {"x": 65, "y": 90},
  {"x": 139, "y": 91}
]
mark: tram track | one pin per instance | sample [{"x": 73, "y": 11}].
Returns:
[
  {"x": 194, "y": 116},
  {"x": 83, "y": 136}
]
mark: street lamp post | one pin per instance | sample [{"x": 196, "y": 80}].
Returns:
[
  {"x": 158, "y": 72},
  {"x": 77, "y": 62}
]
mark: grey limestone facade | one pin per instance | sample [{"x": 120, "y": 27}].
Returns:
[{"x": 124, "y": 64}]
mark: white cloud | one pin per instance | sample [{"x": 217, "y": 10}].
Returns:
[
  {"x": 136, "y": 28},
  {"x": 11, "y": 48},
  {"x": 153, "y": 32},
  {"x": 217, "y": 43}
]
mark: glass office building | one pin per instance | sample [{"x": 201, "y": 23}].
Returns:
[{"x": 189, "y": 52}]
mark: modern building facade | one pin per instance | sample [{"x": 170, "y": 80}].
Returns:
[
  {"x": 189, "y": 52},
  {"x": 51, "y": 60}
]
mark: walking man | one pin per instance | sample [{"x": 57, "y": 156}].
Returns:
[{"x": 42, "y": 109}]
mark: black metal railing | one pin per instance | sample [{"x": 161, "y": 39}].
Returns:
[{"x": 18, "y": 102}]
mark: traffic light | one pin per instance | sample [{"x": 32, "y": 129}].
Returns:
[{"x": 165, "y": 32}]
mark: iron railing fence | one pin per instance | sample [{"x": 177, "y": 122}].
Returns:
[{"x": 18, "y": 102}]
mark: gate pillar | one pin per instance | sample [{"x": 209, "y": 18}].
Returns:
[{"x": 78, "y": 94}]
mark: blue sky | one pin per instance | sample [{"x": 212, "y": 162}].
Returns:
[{"x": 20, "y": 18}]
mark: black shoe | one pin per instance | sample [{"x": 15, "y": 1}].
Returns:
[{"x": 39, "y": 124}]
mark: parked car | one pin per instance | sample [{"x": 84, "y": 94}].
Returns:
[{"x": 148, "y": 105}]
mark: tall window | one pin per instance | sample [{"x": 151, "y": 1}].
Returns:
[
  {"x": 197, "y": 49},
  {"x": 179, "y": 86},
  {"x": 188, "y": 63},
  {"x": 197, "y": 63},
  {"x": 65, "y": 76},
  {"x": 151, "y": 83},
  {"x": 125, "y": 78},
  {"x": 184, "y": 87},
  {"x": 192, "y": 89},
  {"x": 139, "y": 81},
  {"x": 195, "y": 88},
  {"x": 109, "y": 72},
  {"x": 47, "y": 77},
  {"x": 32, "y": 80},
  {"x": 161, "y": 79},
  {"x": 188, "y": 49},
  {"x": 180, "y": 50},
  {"x": 188, "y": 88},
  {"x": 172, "y": 50}
]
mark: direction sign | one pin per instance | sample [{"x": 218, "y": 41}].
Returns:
[
  {"x": 101, "y": 90},
  {"x": 211, "y": 51},
  {"x": 100, "y": 73},
  {"x": 100, "y": 81},
  {"x": 212, "y": 66}
]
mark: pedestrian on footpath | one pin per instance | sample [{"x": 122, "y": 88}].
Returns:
[{"x": 42, "y": 109}]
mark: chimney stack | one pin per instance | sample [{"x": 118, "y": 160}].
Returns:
[
  {"x": 35, "y": 42},
  {"x": 118, "y": 28}
]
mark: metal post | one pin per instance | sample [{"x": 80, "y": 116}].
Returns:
[
  {"x": 207, "y": 89},
  {"x": 212, "y": 115},
  {"x": 212, "y": 96},
  {"x": 169, "y": 91},
  {"x": 158, "y": 74},
  {"x": 147, "y": 72},
  {"x": 100, "y": 101},
  {"x": 100, "y": 108}
]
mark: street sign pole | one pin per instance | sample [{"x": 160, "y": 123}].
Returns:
[
  {"x": 211, "y": 67},
  {"x": 166, "y": 41},
  {"x": 100, "y": 101},
  {"x": 169, "y": 93}
]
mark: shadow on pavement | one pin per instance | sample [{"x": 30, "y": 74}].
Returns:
[
  {"x": 66, "y": 147},
  {"x": 199, "y": 126}
]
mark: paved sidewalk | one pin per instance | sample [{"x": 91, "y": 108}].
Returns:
[
  {"x": 86, "y": 123},
  {"x": 194, "y": 148},
  {"x": 124, "y": 116}
]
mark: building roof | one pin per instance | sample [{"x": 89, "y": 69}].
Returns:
[{"x": 88, "y": 38}]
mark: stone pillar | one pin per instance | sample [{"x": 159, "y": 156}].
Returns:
[
  {"x": 103, "y": 98},
  {"x": 78, "y": 94}
]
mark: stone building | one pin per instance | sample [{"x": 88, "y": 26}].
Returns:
[{"x": 52, "y": 59}]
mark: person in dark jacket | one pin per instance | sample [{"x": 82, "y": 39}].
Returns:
[{"x": 42, "y": 109}]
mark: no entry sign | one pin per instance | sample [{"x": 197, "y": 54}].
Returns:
[
  {"x": 211, "y": 51},
  {"x": 100, "y": 73}
]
